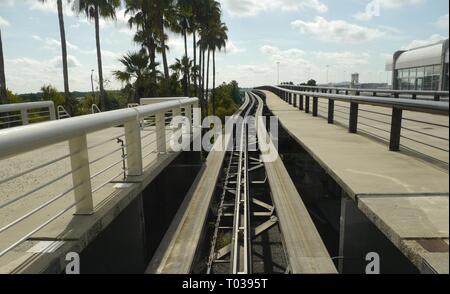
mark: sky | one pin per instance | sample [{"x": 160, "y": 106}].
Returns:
[{"x": 308, "y": 38}]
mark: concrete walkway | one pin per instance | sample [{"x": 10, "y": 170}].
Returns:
[
  {"x": 403, "y": 195},
  {"x": 104, "y": 151}
]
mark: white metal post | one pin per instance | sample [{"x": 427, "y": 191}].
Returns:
[
  {"x": 81, "y": 175},
  {"x": 51, "y": 110},
  {"x": 134, "y": 147},
  {"x": 188, "y": 114},
  {"x": 24, "y": 115},
  {"x": 176, "y": 112},
  {"x": 160, "y": 122}
]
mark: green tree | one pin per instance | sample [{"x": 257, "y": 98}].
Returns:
[
  {"x": 94, "y": 10},
  {"x": 50, "y": 93},
  {"x": 182, "y": 68},
  {"x": 218, "y": 42},
  {"x": 137, "y": 75}
]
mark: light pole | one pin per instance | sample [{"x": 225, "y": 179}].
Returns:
[
  {"x": 92, "y": 84},
  {"x": 278, "y": 71},
  {"x": 328, "y": 67}
]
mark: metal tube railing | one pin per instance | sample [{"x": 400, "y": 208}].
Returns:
[
  {"x": 396, "y": 105},
  {"x": 16, "y": 141},
  {"x": 435, "y": 95},
  {"x": 25, "y": 110}
]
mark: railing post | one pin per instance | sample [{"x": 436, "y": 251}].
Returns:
[
  {"x": 160, "y": 122},
  {"x": 295, "y": 100},
  {"x": 396, "y": 129},
  {"x": 52, "y": 112},
  {"x": 134, "y": 147},
  {"x": 290, "y": 98},
  {"x": 315, "y": 106},
  {"x": 81, "y": 175},
  {"x": 188, "y": 114},
  {"x": 307, "y": 104},
  {"x": 24, "y": 115},
  {"x": 353, "y": 121},
  {"x": 300, "y": 103},
  {"x": 330, "y": 111}
]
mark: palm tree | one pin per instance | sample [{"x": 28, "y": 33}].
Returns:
[
  {"x": 3, "y": 94},
  {"x": 62, "y": 32},
  {"x": 138, "y": 74},
  {"x": 219, "y": 41},
  {"x": 142, "y": 18},
  {"x": 94, "y": 9},
  {"x": 210, "y": 16},
  {"x": 164, "y": 10},
  {"x": 183, "y": 66},
  {"x": 182, "y": 24}
]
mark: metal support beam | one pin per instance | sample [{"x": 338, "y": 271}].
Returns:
[
  {"x": 315, "y": 106},
  {"x": 307, "y": 104},
  {"x": 396, "y": 128},
  {"x": 353, "y": 121},
  {"x": 330, "y": 111}
]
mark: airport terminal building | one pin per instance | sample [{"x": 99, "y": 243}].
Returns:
[{"x": 423, "y": 68}]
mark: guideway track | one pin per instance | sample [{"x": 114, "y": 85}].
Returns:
[{"x": 182, "y": 246}]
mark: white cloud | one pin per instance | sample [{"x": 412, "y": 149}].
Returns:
[
  {"x": 50, "y": 6},
  {"x": 389, "y": 4},
  {"x": 233, "y": 48},
  {"x": 419, "y": 43},
  {"x": 254, "y": 7},
  {"x": 344, "y": 58},
  {"x": 4, "y": 22},
  {"x": 337, "y": 30},
  {"x": 36, "y": 37},
  {"x": 289, "y": 56},
  {"x": 442, "y": 22},
  {"x": 253, "y": 69},
  {"x": 72, "y": 62},
  {"x": 368, "y": 14}
]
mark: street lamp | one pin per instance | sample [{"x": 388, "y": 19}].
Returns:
[
  {"x": 278, "y": 71},
  {"x": 328, "y": 67},
  {"x": 92, "y": 85}
]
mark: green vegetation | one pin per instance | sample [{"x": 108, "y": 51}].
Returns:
[{"x": 228, "y": 99}]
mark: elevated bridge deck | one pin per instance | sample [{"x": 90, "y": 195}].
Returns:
[{"x": 403, "y": 195}]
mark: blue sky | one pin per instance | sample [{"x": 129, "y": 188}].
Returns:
[{"x": 303, "y": 35}]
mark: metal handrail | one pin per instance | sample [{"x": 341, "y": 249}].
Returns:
[
  {"x": 436, "y": 95},
  {"x": 16, "y": 141},
  {"x": 62, "y": 112},
  {"x": 24, "y": 109},
  {"x": 397, "y": 106},
  {"x": 434, "y": 107},
  {"x": 146, "y": 101},
  {"x": 24, "y": 139},
  {"x": 95, "y": 109}
]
